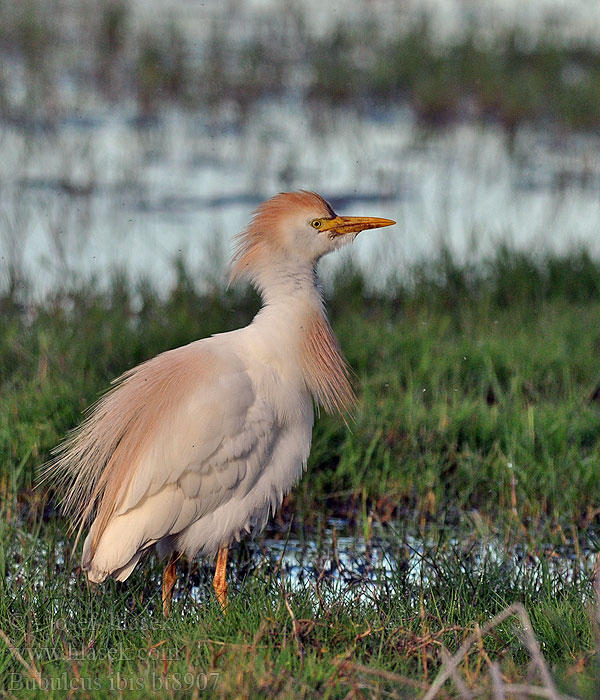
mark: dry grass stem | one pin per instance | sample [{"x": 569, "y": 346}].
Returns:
[
  {"x": 30, "y": 668},
  {"x": 449, "y": 667},
  {"x": 497, "y": 683},
  {"x": 465, "y": 693}
]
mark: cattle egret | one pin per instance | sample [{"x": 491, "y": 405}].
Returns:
[{"x": 195, "y": 447}]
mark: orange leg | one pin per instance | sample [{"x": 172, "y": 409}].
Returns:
[
  {"x": 169, "y": 579},
  {"x": 219, "y": 582}
]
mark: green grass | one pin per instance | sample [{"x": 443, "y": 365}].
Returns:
[
  {"x": 113, "y": 636},
  {"x": 476, "y": 442}
]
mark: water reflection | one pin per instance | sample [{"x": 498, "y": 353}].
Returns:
[
  {"x": 80, "y": 200},
  {"x": 399, "y": 561}
]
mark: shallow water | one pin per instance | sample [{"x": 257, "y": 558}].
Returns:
[
  {"x": 103, "y": 191},
  {"x": 570, "y": 19},
  {"x": 337, "y": 560},
  {"x": 398, "y": 560}
]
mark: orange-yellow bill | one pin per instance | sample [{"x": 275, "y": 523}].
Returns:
[{"x": 341, "y": 225}]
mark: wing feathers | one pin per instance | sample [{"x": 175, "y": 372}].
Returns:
[
  {"x": 200, "y": 490},
  {"x": 129, "y": 423},
  {"x": 173, "y": 442}
]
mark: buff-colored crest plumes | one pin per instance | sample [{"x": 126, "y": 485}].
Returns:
[{"x": 265, "y": 228}]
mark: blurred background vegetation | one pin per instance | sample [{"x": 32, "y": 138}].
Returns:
[{"x": 56, "y": 55}]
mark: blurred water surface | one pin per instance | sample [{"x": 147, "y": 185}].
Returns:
[
  {"x": 98, "y": 193},
  {"x": 103, "y": 187}
]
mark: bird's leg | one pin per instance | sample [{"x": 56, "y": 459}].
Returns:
[
  {"x": 220, "y": 582},
  {"x": 169, "y": 579}
]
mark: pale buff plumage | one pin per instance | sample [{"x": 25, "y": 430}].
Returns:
[{"x": 201, "y": 443}]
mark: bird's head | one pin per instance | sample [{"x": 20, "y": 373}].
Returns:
[{"x": 294, "y": 228}]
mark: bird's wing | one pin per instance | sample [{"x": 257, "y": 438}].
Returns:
[
  {"x": 156, "y": 506},
  {"x": 215, "y": 438},
  {"x": 188, "y": 431}
]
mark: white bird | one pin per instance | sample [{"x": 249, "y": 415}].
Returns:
[{"x": 198, "y": 445}]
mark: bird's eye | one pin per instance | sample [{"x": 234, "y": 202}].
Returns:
[{"x": 316, "y": 223}]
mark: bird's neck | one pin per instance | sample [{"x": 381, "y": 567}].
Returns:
[
  {"x": 294, "y": 321},
  {"x": 288, "y": 280}
]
